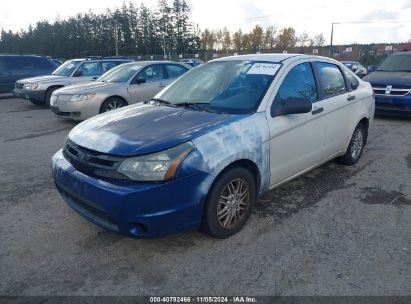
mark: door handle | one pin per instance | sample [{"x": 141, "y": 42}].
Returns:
[
  {"x": 317, "y": 110},
  {"x": 350, "y": 97}
]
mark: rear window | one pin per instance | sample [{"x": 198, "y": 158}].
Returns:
[
  {"x": 17, "y": 63},
  {"x": 108, "y": 65},
  {"x": 352, "y": 80},
  {"x": 41, "y": 63},
  {"x": 2, "y": 64}
]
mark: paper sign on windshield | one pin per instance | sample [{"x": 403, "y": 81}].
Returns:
[{"x": 264, "y": 69}]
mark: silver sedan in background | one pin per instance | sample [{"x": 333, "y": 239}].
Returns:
[{"x": 126, "y": 84}]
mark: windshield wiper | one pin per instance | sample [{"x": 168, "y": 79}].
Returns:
[
  {"x": 160, "y": 101},
  {"x": 195, "y": 105}
]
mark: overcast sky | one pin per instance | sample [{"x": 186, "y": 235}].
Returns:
[{"x": 312, "y": 16}]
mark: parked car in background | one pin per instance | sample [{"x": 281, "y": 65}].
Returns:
[
  {"x": 121, "y": 86},
  {"x": 15, "y": 67},
  {"x": 203, "y": 149},
  {"x": 39, "y": 89},
  {"x": 192, "y": 61},
  {"x": 356, "y": 67},
  {"x": 391, "y": 82}
]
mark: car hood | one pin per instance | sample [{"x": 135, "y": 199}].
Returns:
[
  {"x": 86, "y": 87},
  {"x": 45, "y": 79},
  {"x": 144, "y": 128},
  {"x": 389, "y": 78}
]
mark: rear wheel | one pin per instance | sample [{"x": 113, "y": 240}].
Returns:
[
  {"x": 356, "y": 146},
  {"x": 112, "y": 103},
  {"x": 229, "y": 203}
]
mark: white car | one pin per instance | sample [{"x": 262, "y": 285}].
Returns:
[
  {"x": 123, "y": 85},
  {"x": 201, "y": 152}
]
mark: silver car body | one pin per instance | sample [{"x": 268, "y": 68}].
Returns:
[
  {"x": 57, "y": 79},
  {"x": 129, "y": 91}
]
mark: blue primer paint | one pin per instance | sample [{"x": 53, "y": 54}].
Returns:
[{"x": 247, "y": 138}]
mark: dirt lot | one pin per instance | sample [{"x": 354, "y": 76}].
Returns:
[{"x": 336, "y": 231}]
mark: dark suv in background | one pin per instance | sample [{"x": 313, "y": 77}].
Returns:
[
  {"x": 391, "y": 82},
  {"x": 15, "y": 67}
]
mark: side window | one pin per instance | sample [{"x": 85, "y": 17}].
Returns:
[
  {"x": 3, "y": 67},
  {"x": 352, "y": 80},
  {"x": 89, "y": 69},
  {"x": 299, "y": 83},
  {"x": 108, "y": 65},
  {"x": 18, "y": 63},
  {"x": 174, "y": 71},
  {"x": 152, "y": 73},
  {"x": 332, "y": 81},
  {"x": 41, "y": 63}
]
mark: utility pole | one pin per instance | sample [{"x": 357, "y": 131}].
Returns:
[
  {"x": 116, "y": 37},
  {"x": 332, "y": 36}
]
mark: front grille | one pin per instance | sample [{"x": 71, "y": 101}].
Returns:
[
  {"x": 19, "y": 85},
  {"x": 93, "y": 162},
  {"x": 394, "y": 91},
  {"x": 78, "y": 203}
]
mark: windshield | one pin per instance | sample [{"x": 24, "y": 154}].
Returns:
[
  {"x": 234, "y": 87},
  {"x": 67, "y": 68},
  {"x": 121, "y": 73},
  {"x": 396, "y": 63}
]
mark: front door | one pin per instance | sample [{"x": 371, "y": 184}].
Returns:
[
  {"x": 154, "y": 81},
  {"x": 296, "y": 140}
]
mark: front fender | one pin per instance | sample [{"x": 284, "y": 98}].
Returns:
[{"x": 245, "y": 139}]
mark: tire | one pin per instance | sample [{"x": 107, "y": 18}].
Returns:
[
  {"x": 112, "y": 103},
  {"x": 234, "y": 213},
  {"x": 48, "y": 96},
  {"x": 355, "y": 148}
]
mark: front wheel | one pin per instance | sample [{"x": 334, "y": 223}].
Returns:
[
  {"x": 356, "y": 146},
  {"x": 229, "y": 203},
  {"x": 112, "y": 103}
]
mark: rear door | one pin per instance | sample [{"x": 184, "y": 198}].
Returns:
[{"x": 154, "y": 77}]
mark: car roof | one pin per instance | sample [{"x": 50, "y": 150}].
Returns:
[
  {"x": 146, "y": 63},
  {"x": 273, "y": 57}
]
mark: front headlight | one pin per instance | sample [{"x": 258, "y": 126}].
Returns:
[
  {"x": 155, "y": 167},
  {"x": 30, "y": 86},
  {"x": 81, "y": 97}
]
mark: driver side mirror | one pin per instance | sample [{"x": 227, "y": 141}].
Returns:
[
  {"x": 139, "y": 81},
  {"x": 292, "y": 105},
  {"x": 354, "y": 68},
  {"x": 77, "y": 73}
]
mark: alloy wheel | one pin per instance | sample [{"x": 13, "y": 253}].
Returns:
[{"x": 233, "y": 203}]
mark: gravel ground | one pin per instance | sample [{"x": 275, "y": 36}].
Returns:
[{"x": 335, "y": 231}]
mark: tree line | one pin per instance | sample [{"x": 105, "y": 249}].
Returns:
[{"x": 140, "y": 30}]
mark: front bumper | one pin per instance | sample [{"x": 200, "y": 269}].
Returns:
[
  {"x": 144, "y": 210},
  {"x": 79, "y": 110},
  {"x": 390, "y": 104},
  {"x": 38, "y": 95}
]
